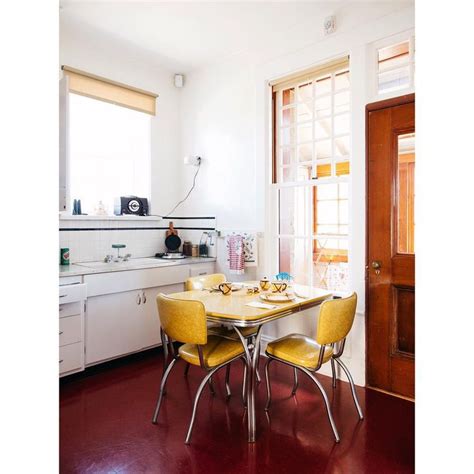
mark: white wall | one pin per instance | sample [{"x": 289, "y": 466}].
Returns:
[
  {"x": 86, "y": 49},
  {"x": 225, "y": 119}
]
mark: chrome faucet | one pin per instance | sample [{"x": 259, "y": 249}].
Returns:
[{"x": 127, "y": 257}]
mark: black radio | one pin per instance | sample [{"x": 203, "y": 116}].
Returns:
[{"x": 131, "y": 205}]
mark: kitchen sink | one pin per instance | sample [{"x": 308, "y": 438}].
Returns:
[{"x": 133, "y": 262}]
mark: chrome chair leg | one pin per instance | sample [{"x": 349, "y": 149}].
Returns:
[
  {"x": 162, "y": 390},
  {"x": 244, "y": 383},
  {"x": 227, "y": 377},
  {"x": 196, "y": 401},
  {"x": 186, "y": 369},
  {"x": 333, "y": 369},
  {"x": 267, "y": 380},
  {"x": 211, "y": 386},
  {"x": 326, "y": 402},
  {"x": 351, "y": 382},
  {"x": 295, "y": 383}
]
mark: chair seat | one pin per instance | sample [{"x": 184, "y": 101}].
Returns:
[
  {"x": 229, "y": 332},
  {"x": 299, "y": 350},
  {"x": 217, "y": 351}
]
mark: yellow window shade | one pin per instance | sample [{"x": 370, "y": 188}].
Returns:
[
  {"x": 99, "y": 88},
  {"x": 310, "y": 74}
]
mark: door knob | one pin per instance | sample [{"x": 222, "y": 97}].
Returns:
[{"x": 376, "y": 265}]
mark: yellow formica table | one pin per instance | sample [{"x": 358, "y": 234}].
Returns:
[{"x": 232, "y": 310}]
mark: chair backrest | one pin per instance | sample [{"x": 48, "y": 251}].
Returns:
[
  {"x": 182, "y": 320},
  {"x": 204, "y": 281},
  {"x": 335, "y": 319}
]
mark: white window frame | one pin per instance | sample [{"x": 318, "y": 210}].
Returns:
[
  {"x": 309, "y": 237},
  {"x": 373, "y": 70}
]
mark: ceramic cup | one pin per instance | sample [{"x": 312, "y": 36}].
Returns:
[
  {"x": 264, "y": 284},
  {"x": 226, "y": 288},
  {"x": 279, "y": 286}
]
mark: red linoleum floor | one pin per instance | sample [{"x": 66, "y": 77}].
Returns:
[{"x": 105, "y": 425}]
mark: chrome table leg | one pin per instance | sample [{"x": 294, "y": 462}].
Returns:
[
  {"x": 252, "y": 386},
  {"x": 267, "y": 380},
  {"x": 295, "y": 383},
  {"x": 244, "y": 383}
]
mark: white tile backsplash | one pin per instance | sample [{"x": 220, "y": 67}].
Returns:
[{"x": 93, "y": 245}]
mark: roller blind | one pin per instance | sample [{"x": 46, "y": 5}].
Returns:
[
  {"x": 96, "y": 87},
  {"x": 309, "y": 74}
]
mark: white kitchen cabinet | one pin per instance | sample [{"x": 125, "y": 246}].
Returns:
[
  {"x": 72, "y": 296},
  {"x": 122, "y": 316},
  {"x": 151, "y": 323},
  {"x": 113, "y": 325},
  {"x": 121, "y": 323}
]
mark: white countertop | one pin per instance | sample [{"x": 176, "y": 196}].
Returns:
[{"x": 87, "y": 268}]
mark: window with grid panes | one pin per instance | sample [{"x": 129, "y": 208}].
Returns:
[{"x": 312, "y": 152}]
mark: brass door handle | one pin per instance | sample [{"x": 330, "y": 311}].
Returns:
[{"x": 376, "y": 265}]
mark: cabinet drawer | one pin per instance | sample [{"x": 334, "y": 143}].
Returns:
[
  {"x": 70, "y": 309},
  {"x": 70, "y": 357},
  {"x": 118, "y": 282},
  {"x": 201, "y": 269},
  {"x": 70, "y": 330},
  {"x": 70, "y": 293}
]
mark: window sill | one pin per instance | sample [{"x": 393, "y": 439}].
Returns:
[{"x": 70, "y": 217}]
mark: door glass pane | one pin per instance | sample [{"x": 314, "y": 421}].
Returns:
[{"x": 406, "y": 193}]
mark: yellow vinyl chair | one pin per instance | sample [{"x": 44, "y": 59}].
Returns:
[
  {"x": 208, "y": 281},
  {"x": 308, "y": 355},
  {"x": 185, "y": 321}
]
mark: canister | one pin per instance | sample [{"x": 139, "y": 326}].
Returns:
[
  {"x": 187, "y": 248},
  {"x": 64, "y": 255},
  {"x": 195, "y": 250}
]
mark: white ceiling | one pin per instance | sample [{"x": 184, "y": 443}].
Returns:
[{"x": 187, "y": 35}]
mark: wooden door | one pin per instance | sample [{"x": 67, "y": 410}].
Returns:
[{"x": 390, "y": 250}]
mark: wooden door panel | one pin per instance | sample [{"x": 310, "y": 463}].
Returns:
[
  {"x": 390, "y": 246},
  {"x": 403, "y": 329}
]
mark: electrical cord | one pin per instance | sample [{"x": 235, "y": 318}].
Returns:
[{"x": 187, "y": 195}]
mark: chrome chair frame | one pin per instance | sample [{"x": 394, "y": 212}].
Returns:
[
  {"x": 335, "y": 358},
  {"x": 210, "y": 372},
  {"x": 250, "y": 339}
]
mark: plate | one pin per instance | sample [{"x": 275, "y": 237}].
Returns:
[{"x": 277, "y": 297}]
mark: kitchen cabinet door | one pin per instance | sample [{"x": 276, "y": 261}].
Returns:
[
  {"x": 113, "y": 325},
  {"x": 150, "y": 329}
]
